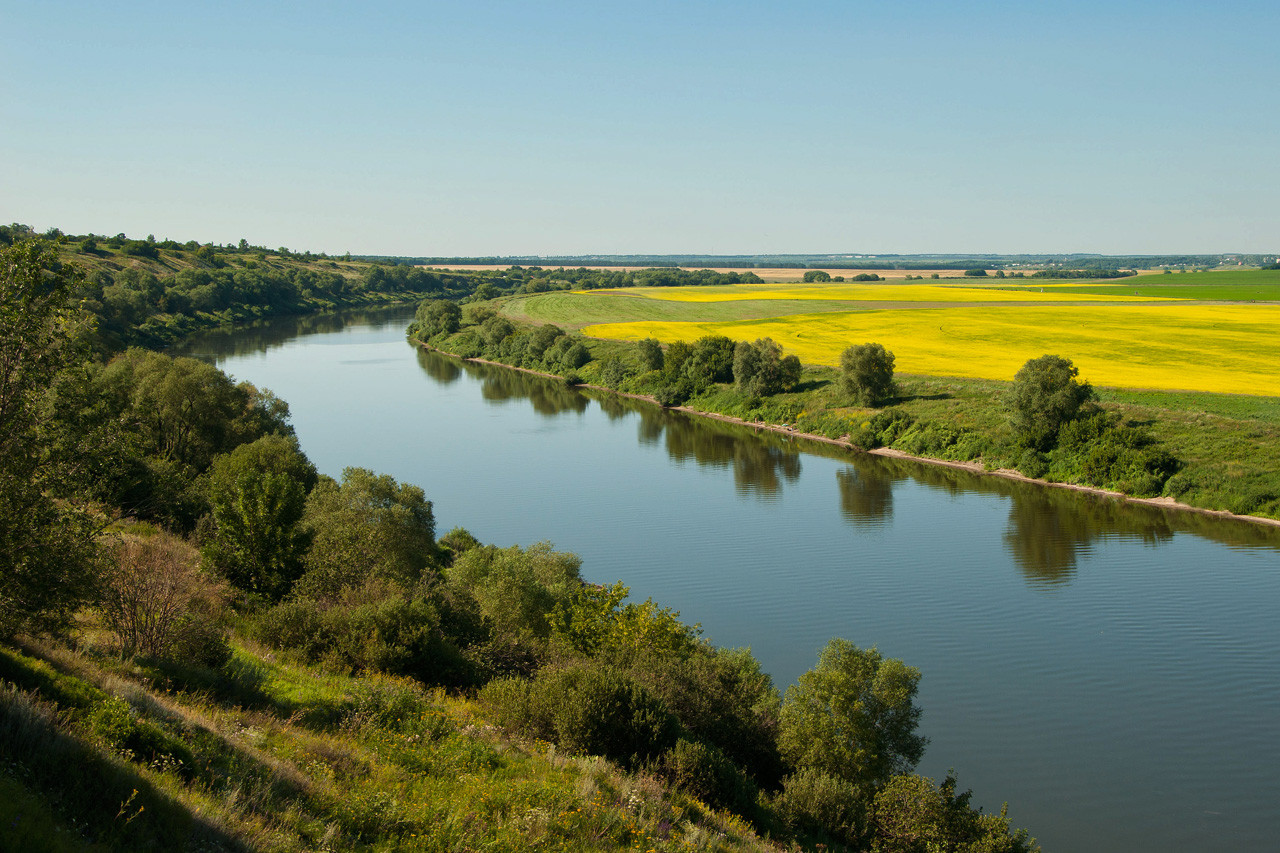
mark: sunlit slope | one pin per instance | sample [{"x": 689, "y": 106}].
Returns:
[{"x": 1221, "y": 348}]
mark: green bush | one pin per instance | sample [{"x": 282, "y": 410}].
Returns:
[
  {"x": 818, "y": 803},
  {"x": 1033, "y": 463},
  {"x": 588, "y": 710},
  {"x": 709, "y": 775}
]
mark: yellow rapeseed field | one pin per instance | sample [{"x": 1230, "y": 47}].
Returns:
[{"x": 1161, "y": 344}]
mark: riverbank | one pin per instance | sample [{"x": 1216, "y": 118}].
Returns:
[{"x": 843, "y": 442}]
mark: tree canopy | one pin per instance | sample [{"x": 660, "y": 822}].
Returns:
[
  {"x": 866, "y": 373},
  {"x": 1044, "y": 396}
]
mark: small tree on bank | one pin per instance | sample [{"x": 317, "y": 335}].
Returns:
[
  {"x": 1045, "y": 395},
  {"x": 866, "y": 373}
]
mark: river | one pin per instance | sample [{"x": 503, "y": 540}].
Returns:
[{"x": 1110, "y": 670}]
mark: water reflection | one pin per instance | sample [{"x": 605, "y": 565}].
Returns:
[
  {"x": 866, "y": 494},
  {"x": 760, "y": 463},
  {"x": 500, "y": 385},
  {"x": 264, "y": 335},
  {"x": 446, "y": 371}
]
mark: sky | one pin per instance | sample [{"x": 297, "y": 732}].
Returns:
[{"x": 507, "y": 128}]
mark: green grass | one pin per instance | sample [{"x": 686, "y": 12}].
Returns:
[
  {"x": 315, "y": 762},
  {"x": 1224, "y": 285},
  {"x": 575, "y": 310}
]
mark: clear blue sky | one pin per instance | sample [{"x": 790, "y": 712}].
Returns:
[{"x": 423, "y": 128}]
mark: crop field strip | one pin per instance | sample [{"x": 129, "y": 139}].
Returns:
[{"x": 1211, "y": 343}]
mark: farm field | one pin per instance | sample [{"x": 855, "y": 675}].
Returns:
[{"x": 1175, "y": 337}]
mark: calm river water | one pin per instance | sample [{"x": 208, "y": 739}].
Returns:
[{"x": 1113, "y": 672}]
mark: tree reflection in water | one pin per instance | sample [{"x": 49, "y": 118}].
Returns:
[
  {"x": 866, "y": 494},
  {"x": 760, "y": 463},
  {"x": 443, "y": 370}
]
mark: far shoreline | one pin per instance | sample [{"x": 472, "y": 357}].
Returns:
[{"x": 886, "y": 452}]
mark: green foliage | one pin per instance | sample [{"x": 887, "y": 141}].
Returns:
[
  {"x": 377, "y": 627},
  {"x": 866, "y": 373},
  {"x": 709, "y": 775},
  {"x": 1044, "y": 396},
  {"x": 760, "y": 370},
  {"x": 650, "y": 351},
  {"x": 47, "y": 552},
  {"x": 257, "y": 493},
  {"x": 976, "y": 272},
  {"x": 437, "y": 317},
  {"x": 588, "y": 710},
  {"x": 911, "y": 814},
  {"x": 853, "y": 716},
  {"x": 882, "y": 429},
  {"x": 366, "y": 527},
  {"x": 816, "y": 276},
  {"x": 516, "y": 588},
  {"x": 817, "y": 803}
]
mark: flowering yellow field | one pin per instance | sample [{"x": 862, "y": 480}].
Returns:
[
  {"x": 863, "y": 293},
  {"x": 1161, "y": 344}
]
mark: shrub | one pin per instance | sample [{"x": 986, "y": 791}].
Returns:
[
  {"x": 588, "y": 710},
  {"x": 819, "y": 803},
  {"x": 157, "y": 602},
  {"x": 709, "y": 775},
  {"x": 1033, "y": 464}
]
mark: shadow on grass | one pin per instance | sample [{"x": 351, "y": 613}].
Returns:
[{"x": 109, "y": 801}]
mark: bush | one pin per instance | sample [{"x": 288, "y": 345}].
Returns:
[
  {"x": 819, "y": 803},
  {"x": 1033, "y": 464},
  {"x": 587, "y": 710},
  {"x": 709, "y": 775},
  {"x": 157, "y": 602}
]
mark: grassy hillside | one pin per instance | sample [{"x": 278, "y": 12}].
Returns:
[{"x": 104, "y": 755}]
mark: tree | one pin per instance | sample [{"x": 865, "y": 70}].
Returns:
[
  {"x": 1044, "y": 396},
  {"x": 47, "y": 549},
  {"x": 976, "y": 272},
  {"x": 258, "y": 494},
  {"x": 866, "y": 372},
  {"x": 650, "y": 353},
  {"x": 761, "y": 370},
  {"x": 817, "y": 276},
  {"x": 438, "y": 317},
  {"x": 367, "y": 526},
  {"x": 853, "y": 717}
]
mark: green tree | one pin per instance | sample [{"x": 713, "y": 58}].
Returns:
[
  {"x": 1044, "y": 396},
  {"x": 817, "y": 276},
  {"x": 438, "y": 317},
  {"x": 367, "y": 526},
  {"x": 258, "y": 494},
  {"x": 650, "y": 353},
  {"x": 866, "y": 373},
  {"x": 853, "y": 716},
  {"x": 47, "y": 549},
  {"x": 761, "y": 370}
]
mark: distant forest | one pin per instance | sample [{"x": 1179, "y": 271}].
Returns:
[{"x": 853, "y": 261}]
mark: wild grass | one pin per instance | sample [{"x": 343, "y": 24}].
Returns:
[{"x": 102, "y": 755}]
